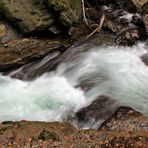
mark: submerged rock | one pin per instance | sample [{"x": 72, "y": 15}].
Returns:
[
  {"x": 145, "y": 59},
  {"x": 97, "y": 112}
]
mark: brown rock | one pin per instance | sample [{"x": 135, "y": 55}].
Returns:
[
  {"x": 126, "y": 119},
  {"x": 22, "y": 51},
  {"x": 2, "y": 30},
  {"x": 43, "y": 134}
]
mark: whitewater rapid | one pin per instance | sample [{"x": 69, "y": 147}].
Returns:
[{"x": 117, "y": 72}]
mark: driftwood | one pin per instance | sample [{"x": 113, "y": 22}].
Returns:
[
  {"x": 98, "y": 29},
  {"x": 84, "y": 15}
]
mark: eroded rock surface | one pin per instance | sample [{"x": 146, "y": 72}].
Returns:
[
  {"x": 22, "y": 51},
  {"x": 132, "y": 132}
]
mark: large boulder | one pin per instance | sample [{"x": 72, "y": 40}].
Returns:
[
  {"x": 68, "y": 11},
  {"x": 28, "y": 15}
]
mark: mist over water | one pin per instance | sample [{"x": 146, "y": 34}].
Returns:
[{"x": 117, "y": 72}]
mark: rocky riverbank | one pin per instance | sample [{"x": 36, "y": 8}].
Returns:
[{"x": 126, "y": 128}]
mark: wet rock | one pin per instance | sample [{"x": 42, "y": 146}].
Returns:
[
  {"x": 145, "y": 59},
  {"x": 22, "y": 51},
  {"x": 29, "y": 16},
  {"x": 145, "y": 15},
  {"x": 128, "y": 27},
  {"x": 97, "y": 112},
  {"x": 52, "y": 60},
  {"x": 129, "y": 37},
  {"x": 126, "y": 119},
  {"x": 68, "y": 11}
]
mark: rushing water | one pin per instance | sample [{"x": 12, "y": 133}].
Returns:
[{"x": 117, "y": 72}]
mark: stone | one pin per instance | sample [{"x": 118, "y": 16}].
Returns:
[
  {"x": 97, "y": 112},
  {"x": 145, "y": 59},
  {"x": 2, "y": 30},
  {"x": 139, "y": 3},
  {"x": 22, "y": 51},
  {"x": 126, "y": 119},
  {"x": 28, "y": 15},
  {"x": 129, "y": 28},
  {"x": 68, "y": 11}
]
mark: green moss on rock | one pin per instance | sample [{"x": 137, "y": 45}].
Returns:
[
  {"x": 69, "y": 10},
  {"x": 28, "y": 15}
]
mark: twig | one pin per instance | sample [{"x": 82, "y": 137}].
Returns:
[
  {"x": 98, "y": 29},
  {"x": 84, "y": 15}
]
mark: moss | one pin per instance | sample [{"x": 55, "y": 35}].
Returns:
[
  {"x": 46, "y": 135},
  {"x": 69, "y": 10},
  {"x": 2, "y": 130},
  {"x": 28, "y": 16},
  {"x": 6, "y": 13},
  {"x": 35, "y": 2}
]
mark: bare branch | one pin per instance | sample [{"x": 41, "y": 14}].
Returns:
[
  {"x": 84, "y": 15},
  {"x": 98, "y": 29}
]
